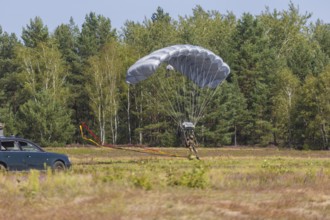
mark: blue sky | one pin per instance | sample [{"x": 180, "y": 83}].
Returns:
[{"x": 16, "y": 14}]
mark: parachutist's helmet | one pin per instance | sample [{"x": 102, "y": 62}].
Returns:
[{"x": 191, "y": 136}]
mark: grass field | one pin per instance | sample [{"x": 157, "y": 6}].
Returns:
[{"x": 228, "y": 183}]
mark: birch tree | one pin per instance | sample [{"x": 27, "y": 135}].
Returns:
[
  {"x": 102, "y": 89},
  {"x": 284, "y": 100}
]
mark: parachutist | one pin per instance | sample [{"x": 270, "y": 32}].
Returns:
[
  {"x": 191, "y": 144},
  {"x": 190, "y": 139}
]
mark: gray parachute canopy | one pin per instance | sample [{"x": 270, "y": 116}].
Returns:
[{"x": 200, "y": 65}]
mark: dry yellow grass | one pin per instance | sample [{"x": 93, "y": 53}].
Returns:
[{"x": 228, "y": 183}]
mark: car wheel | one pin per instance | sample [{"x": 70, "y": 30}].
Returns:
[
  {"x": 59, "y": 166},
  {"x": 2, "y": 168}
]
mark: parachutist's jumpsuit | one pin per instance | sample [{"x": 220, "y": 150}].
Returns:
[{"x": 190, "y": 143}]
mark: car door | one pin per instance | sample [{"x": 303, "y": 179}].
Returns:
[
  {"x": 12, "y": 155},
  {"x": 35, "y": 157}
]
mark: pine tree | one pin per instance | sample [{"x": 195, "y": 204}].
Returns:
[
  {"x": 35, "y": 33},
  {"x": 45, "y": 120},
  {"x": 43, "y": 72}
]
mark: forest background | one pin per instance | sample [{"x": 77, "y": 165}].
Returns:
[{"x": 277, "y": 92}]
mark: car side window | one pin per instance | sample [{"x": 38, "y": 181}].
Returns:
[
  {"x": 10, "y": 146},
  {"x": 26, "y": 146}
]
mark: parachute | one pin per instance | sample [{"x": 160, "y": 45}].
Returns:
[
  {"x": 200, "y": 65},
  {"x": 184, "y": 79}
]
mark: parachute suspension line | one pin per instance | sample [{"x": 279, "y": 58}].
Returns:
[
  {"x": 163, "y": 83},
  {"x": 179, "y": 90},
  {"x": 185, "y": 98},
  {"x": 192, "y": 93},
  {"x": 180, "y": 96},
  {"x": 164, "y": 95},
  {"x": 197, "y": 96},
  {"x": 205, "y": 103},
  {"x": 208, "y": 96},
  {"x": 197, "y": 93},
  {"x": 190, "y": 90},
  {"x": 212, "y": 94},
  {"x": 205, "y": 94},
  {"x": 174, "y": 96},
  {"x": 177, "y": 87},
  {"x": 205, "y": 76},
  {"x": 177, "y": 95},
  {"x": 185, "y": 95}
]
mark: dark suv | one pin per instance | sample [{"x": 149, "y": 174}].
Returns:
[{"x": 21, "y": 154}]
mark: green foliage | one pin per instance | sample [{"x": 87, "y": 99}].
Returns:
[
  {"x": 276, "y": 92},
  {"x": 195, "y": 178},
  {"x": 142, "y": 181},
  {"x": 45, "y": 121},
  {"x": 313, "y": 112},
  {"x": 35, "y": 33},
  {"x": 222, "y": 123},
  {"x": 286, "y": 90},
  {"x": 7, "y": 45},
  {"x": 8, "y": 66},
  {"x": 276, "y": 168},
  {"x": 39, "y": 108},
  {"x": 321, "y": 33},
  {"x": 66, "y": 37},
  {"x": 248, "y": 169},
  {"x": 95, "y": 32},
  {"x": 12, "y": 126}
]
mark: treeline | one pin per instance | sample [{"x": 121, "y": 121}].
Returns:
[{"x": 277, "y": 92}]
